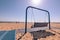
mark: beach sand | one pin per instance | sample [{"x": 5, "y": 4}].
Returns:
[{"x": 29, "y": 36}]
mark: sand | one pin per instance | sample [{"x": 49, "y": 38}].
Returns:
[{"x": 29, "y": 36}]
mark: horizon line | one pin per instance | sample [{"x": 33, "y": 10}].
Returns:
[{"x": 18, "y": 22}]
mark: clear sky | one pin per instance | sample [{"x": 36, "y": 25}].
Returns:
[{"x": 14, "y": 10}]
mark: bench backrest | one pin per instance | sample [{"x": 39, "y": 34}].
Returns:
[{"x": 40, "y": 24}]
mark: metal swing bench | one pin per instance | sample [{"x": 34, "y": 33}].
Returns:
[{"x": 37, "y": 26}]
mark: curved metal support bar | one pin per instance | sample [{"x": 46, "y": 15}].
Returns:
[{"x": 37, "y": 9}]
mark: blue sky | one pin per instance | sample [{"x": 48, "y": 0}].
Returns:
[{"x": 14, "y": 10}]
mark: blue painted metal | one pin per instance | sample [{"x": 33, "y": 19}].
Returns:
[{"x": 7, "y": 35}]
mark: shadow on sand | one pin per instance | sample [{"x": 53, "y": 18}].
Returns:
[{"x": 41, "y": 34}]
